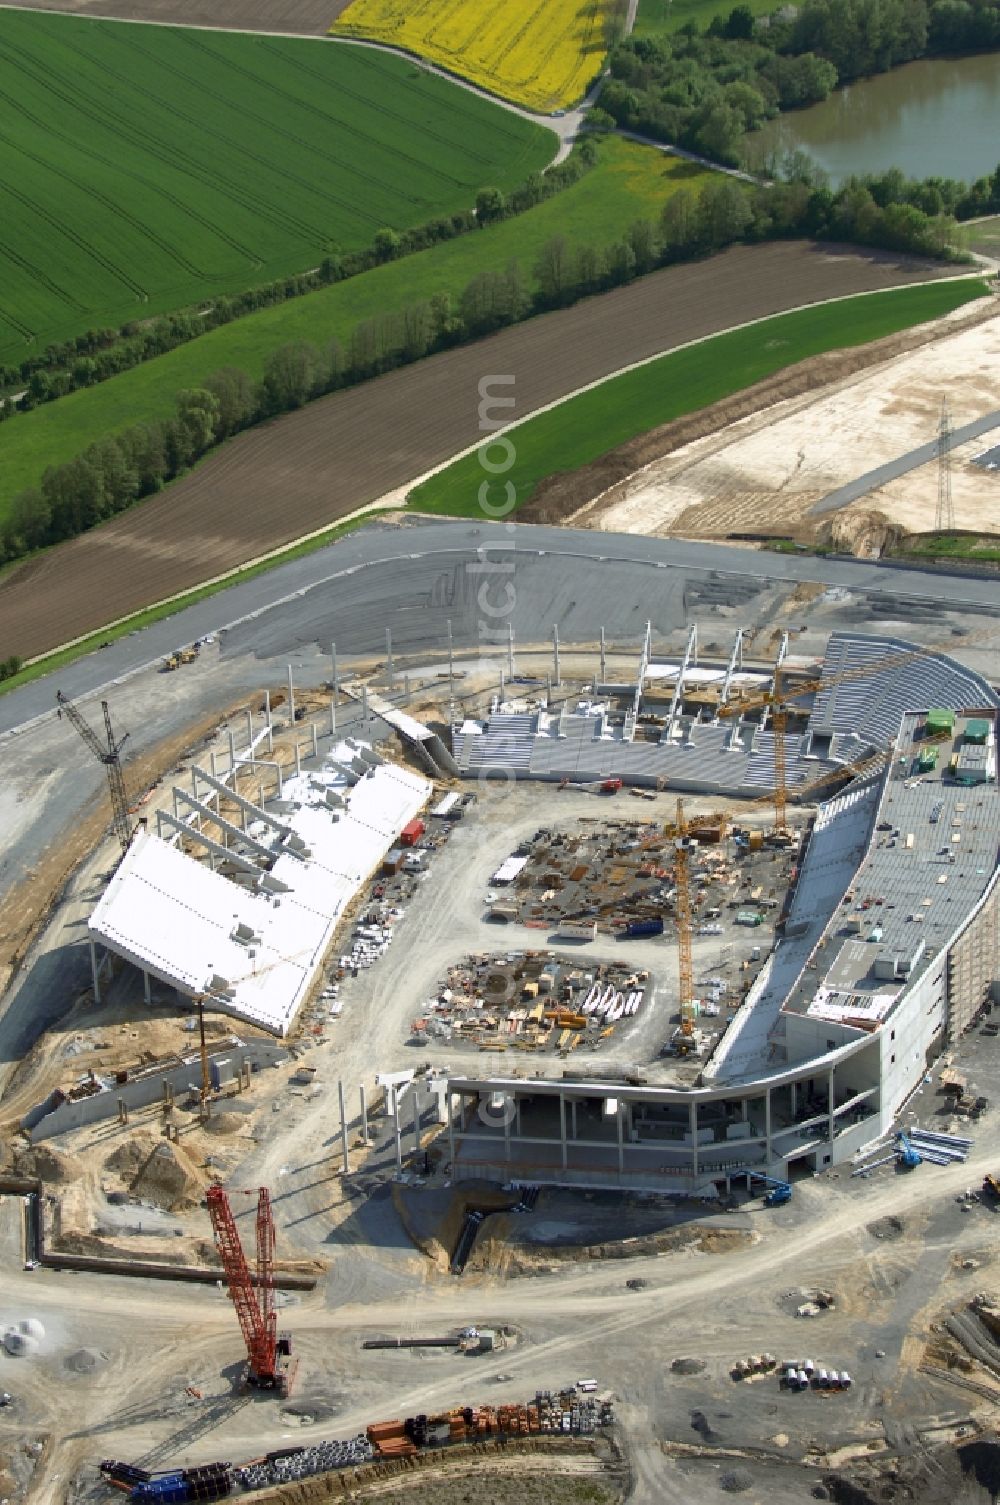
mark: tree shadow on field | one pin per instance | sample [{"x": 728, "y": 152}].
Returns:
[{"x": 679, "y": 168}]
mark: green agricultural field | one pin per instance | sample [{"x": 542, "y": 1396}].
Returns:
[
  {"x": 658, "y": 17},
  {"x": 584, "y": 427},
  {"x": 142, "y": 169},
  {"x": 629, "y": 181}
]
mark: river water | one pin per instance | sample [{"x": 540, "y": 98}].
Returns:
[{"x": 934, "y": 118}]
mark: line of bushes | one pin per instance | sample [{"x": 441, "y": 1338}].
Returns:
[
  {"x": 112, "y": 474},
  {"x": 98, "y": 354}
]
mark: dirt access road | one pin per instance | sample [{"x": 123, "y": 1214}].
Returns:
[
  {"x": 309, "y": 18},
  {"x": 302, "y": 472},
  {"x": 583, "y": 1320}
]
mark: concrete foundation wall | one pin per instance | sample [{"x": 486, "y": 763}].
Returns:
[{"x": 142, "y": 1093}]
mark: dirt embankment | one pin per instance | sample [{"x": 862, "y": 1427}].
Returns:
[
  {"x": 28, "y": 907},
  {"x": 584, "y": 497},
  {"x": 969, "y": 1473},
  {"x": 304, "y": 471},
  {"x": 530, "y": 1471},
  {"x": 494, "y": 1252},
  {"x": 433, "y": 1220}
]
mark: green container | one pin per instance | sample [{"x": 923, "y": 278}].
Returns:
[{"x": 940, "y": 721}]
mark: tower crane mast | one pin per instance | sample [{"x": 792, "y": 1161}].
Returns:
[
  {"x": 683, "y": 842},
  {"x": 109, "y": 755}
]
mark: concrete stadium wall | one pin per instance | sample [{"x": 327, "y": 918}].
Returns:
[
  {"x": 142, "y": 1093},
  {"x": 974, "y": 964}
]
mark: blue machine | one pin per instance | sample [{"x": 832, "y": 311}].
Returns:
[
  {"x": 780, "y": 1193},
  {"x": 168, "y": 1489},
  {"x": 909, "y": 1158}
]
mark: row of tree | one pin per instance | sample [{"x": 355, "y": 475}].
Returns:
[
  {"x": 705, "y": 91},
  {"x": 109, "y": 476},
  {"x": 98, "y": 354}
]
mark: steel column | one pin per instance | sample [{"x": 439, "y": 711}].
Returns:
[{"x": 345, "y": 1165}]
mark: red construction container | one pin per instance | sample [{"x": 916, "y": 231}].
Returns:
[
  {"x": 411, "y": 833},
  {"x": 396, "y": 1447},
  {"x": 383, "y": 1431}
]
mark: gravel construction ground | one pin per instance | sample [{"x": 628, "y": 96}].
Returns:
[
  {"x": 162, "y": 1385},
  {"x": 766, "y": 470},
  {"x": 309, "y": 18},
  {"x": 304, "y": 471},
  {"x": 682, "y": 1428}
]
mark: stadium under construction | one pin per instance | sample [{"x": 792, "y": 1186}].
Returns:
[{"x": 888, "y": 944}]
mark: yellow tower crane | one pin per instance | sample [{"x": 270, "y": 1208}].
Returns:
[{"x": 683, "y": 842}]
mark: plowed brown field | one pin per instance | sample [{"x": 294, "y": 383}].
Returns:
[
  {"x": 297, "y": 17},
  {"x": 304, "y": 471}
]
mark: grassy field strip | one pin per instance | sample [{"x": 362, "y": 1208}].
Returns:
[
  {"x": 143, "y": 171},
  {"x": 629, "y": 181},
  {"x": 540, "y": 56},
  {"x": 657, "y": 18},
  {"x": 578, "y": 428}
]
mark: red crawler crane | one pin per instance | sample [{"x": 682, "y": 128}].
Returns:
[{"x": 268, "y": 1355}]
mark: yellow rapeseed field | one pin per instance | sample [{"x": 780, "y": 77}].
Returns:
[{"x": 538, "y": 53}]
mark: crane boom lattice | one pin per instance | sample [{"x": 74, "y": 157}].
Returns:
[
  {"x": 682, "y": 908},
  {"x": 110, "y": 756},
  {"x": 265, "y": 1267},
  {"x": 779, "y": 727},
  {"x": 257, "y": 1334}
]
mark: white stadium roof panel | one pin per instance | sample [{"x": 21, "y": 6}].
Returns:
[{"x": 254, "y": 952}]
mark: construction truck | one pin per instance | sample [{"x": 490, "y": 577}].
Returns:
[
  {"x": 991, "y": 1188},
  {"x": 171, "y": 662},
  {"x": 780, "y": 1193}
]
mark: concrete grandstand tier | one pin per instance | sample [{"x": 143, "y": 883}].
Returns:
[
  {"x": 250, "y": 939},
  {"x": 582, "y": 745},
  {"x": 868, "y": 683}
]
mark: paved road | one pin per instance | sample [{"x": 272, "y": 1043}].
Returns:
[
  {"x": 872, "y": 479},
  {"x": 416, "y": 578},
  {"x": 585, "y": 581}
]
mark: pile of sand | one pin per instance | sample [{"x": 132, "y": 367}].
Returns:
[
  {"x": 49, "y": 1164},
  {"x": 132, "y": 1154},
  {"x": 159, "y": 1172},
  {"x": 226, "y": 1123}
]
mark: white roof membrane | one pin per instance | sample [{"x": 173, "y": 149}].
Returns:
[{"x": 251, "y": 951}]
